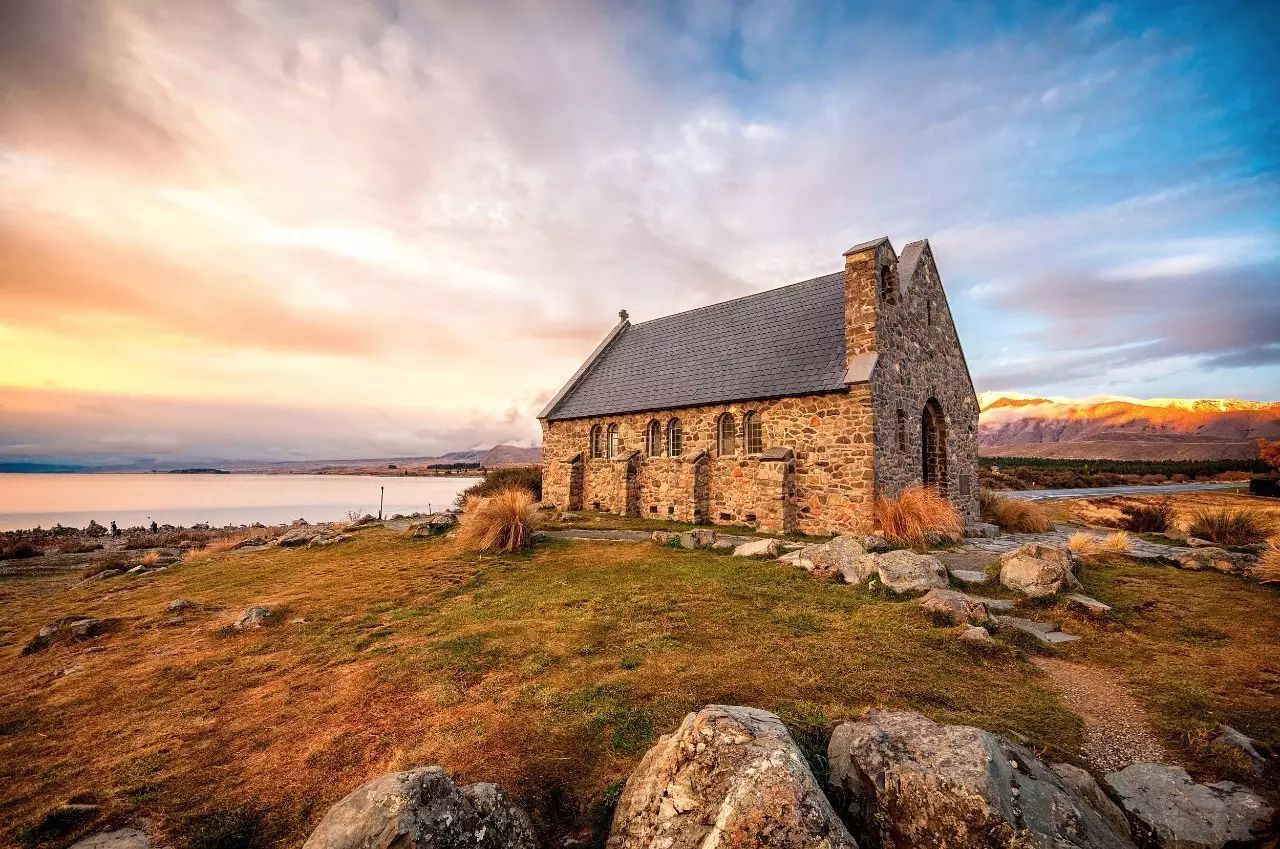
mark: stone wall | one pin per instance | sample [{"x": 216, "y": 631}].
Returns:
[
  {"x": 825, "y": 485},
  {"x": 919, "y": 358}
]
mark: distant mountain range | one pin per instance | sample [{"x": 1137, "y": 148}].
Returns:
[
  {"x": 489, "y": 458},
  {"x": 1124, "y": 428}
]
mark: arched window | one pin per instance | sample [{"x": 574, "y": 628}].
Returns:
[
  {"x": 653, "y": 439},
  {"x": 933, "y": 446},
  {"x": 674, "y": 440},
  {"x": 612, "y": 441},
  {"x": 928, "y": 311},
  {"x": 724, "y": 435},
  {"x": 902, "y": 431},
  {"x": 752, "y": 433},
  {"x": 597, "y": 448}
]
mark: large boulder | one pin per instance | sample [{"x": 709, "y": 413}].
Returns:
[
  {"x": 433, "y": 524},
  {"x": 253, "y": 617},
  {"x": 729, "y": 776},
  {"x": 1038, "y": 569},
  {"x": 909, "y": 782},
  {"x": 1167, "y": 809},
  {"x": 956, "y": 607},
  {"x": 1217, "y": 559},
  {"x": 423, "y": 809},
  {"x": 907, "y": 572}
]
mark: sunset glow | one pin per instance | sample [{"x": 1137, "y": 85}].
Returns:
[{"x": 249, "y": 230}]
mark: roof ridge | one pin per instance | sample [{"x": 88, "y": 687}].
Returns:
[{"x": 739, "y": 298}]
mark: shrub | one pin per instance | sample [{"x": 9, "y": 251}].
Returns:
[
  {"x": 1014, "y": 514},
  {"x": 1155, "y": 517},
  {"x": 1230, "y": 525},
  {"x": 914, "y": 515},
  {"x": 18, "y": 551},
  {"x": 496, "y": 480},
  {"x": 502, "y": 522}
]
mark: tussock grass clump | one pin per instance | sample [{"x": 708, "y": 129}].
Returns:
[
  {"x": 1084, "y": 545},
  {"x": 1014, "y": 514},
  {"x": 1117, "y": 543},
  {"x": 1155, "y": 518},
  {"x": 503, "y": 522},
  {"x": 914, "y": 515},
  {"x": 1268, "y": 570},
  {"x": 1231, "y": 525}
]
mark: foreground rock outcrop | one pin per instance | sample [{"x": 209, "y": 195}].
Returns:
[
  {"x": 729, "y": 776},
  {"x": 423, "y": 809},
  {"x": 909, "y": 782},
  {"x": 1168, "y": 809}
]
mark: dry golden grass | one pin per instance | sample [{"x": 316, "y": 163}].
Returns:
[
  {"x": 503, "y": 522},
  {"x": 1116, "y": 543},
  {"x": 1014, "y": 514},
  {"x": 1084, "y": 544},
  {"x": 914, "y": 515},
  {"x": 1268, "y": 570},
  {"x": 1110, "y": 511},
  {"x": 1231, "y": 525},
  {"x": 230, "y": 541},
  {"x": 549, "y": 671}
]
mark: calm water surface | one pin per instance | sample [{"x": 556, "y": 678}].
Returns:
[{"x": 45, "y": 500}]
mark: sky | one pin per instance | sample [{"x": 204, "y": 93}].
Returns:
[{"x": 279, "y": 230}]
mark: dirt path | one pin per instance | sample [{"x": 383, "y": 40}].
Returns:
[{"x": 1115, "y": 725}]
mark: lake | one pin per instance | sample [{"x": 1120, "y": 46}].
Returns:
[{"x": 28, "y": 500}]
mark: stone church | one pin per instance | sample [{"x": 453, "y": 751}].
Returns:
[{"x": 788, "y": 410}]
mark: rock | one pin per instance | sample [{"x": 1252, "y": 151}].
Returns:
[
  {"x": 728, "y": 777},
  {"x": 1084, "y": 786},
  {"x": 101, "y": 576},
  {"x": 759, "y": 548},
  {"x": 253, "y": 542},
  {"x": 984, "y": 530},
  {"x": 423, "y": 809},
  {"x": 253, "y": 617},
  {"x": 856, "y": 570},
  {"x": 723, "y": 545},
  {"x": 1208, "y": 558},
  {"x": 956, "y": 607},
  {"x": 123, "y": 838},
  {"x": 975, "y": 634},
  {"x": 874, "y": 543},
  {"x": 178, "y": 605},
  {"x": 1090, "y": 606},
  {"x": 969, "y": 576},
  {"x": 910, "y": 782},
  {"x": 1042, "y": 631},
  {"x": 907, "y": 572},
  {"x": 697, "y": 538},
  {"x": 1166, "y": 808},
  {"x": 662, "y": 537},
  {"x": 829, "y": 558},
  {"x": 434, "y": 524},
  {"x": 83, "y": 629},
  {"x": 1245, "y": 745},
  {"x": 1196, "y": 542},
  {"x": 326, "y": 539},
  {"x": 296, "y": 539},
  {"x": 1038, "y": 569}
]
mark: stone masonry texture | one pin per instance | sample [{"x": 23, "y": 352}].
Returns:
[{"x": 826, "y": 455}]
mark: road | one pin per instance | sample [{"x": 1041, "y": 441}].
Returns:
[{"x": 1103, "y": 491}]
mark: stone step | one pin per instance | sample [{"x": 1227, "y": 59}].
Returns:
[
  {"x": 1089, "y": 605},
  {"x": 969, "y": 576}
]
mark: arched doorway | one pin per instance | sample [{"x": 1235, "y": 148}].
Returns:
[{"x": 933, "y": 445}]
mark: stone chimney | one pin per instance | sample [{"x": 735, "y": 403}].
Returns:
[{"x": 870, "y": 281}]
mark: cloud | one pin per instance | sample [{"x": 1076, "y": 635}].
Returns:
[{"x": 440, "y": 207}]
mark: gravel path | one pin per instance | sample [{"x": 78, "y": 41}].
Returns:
[{"x": 1116, "y": 733}]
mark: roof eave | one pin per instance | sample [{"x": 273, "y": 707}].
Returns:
[{"x": 584, "y": 368}]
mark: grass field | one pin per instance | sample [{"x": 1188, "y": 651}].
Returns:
[{"x": 549, "y": 672}]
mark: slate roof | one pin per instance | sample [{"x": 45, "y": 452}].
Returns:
[{"x": 786, "y": 341}]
